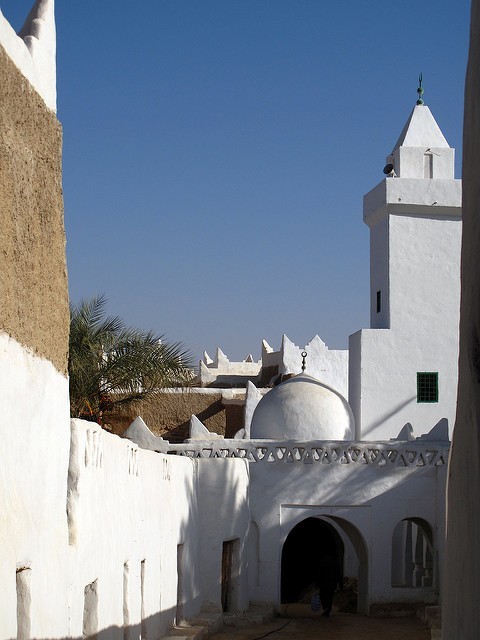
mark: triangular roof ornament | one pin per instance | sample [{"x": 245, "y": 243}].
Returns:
[
  {"x": 40, "y": 19},
  {"x": 39, "y": 35},
  {"x": 266, "y": 347}
]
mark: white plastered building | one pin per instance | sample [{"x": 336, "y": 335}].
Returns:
[
  {"x": 102, "y": 536},
  {"x": 414, "y": 217},
  {"x": 371, "y": 472},
  {"x": 403, "y": 370}
]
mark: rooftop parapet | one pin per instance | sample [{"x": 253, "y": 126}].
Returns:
[{"x": 380, "y": 454}]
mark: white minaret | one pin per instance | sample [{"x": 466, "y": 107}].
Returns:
[{"x": 404, "y": 369}]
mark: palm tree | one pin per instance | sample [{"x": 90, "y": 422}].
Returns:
[{"x": 110, "y": 364}]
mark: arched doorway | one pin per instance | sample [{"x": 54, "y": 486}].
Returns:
[
  {"x": 306, "y": 545},
  {"x": 306, "y": 542}
]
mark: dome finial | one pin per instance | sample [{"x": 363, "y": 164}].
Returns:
[
  {"x": 420, "y": 90},
  {"x": 304, "y": 360}
]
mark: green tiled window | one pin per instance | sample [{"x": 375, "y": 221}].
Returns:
[{"x": 427, "y": 386}]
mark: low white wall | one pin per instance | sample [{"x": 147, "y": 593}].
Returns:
[
  {"x": 95, "y": 523},
  {"x": 127, "y": 506},
  {"x": 33, "y": 489}
]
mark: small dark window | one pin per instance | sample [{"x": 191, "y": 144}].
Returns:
[
  {"x": 427, "y": 387},
  {"x": 379, "y": 301}
]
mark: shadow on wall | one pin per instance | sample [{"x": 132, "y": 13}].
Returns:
[
  {"x": 213, "y": 489},
  {"x": 386, "y": 417},
  {"x": 130, "y": 632},
  {"x": 232, "y": 419},
  {"x": 168, "y": 414},
  {"x": 182, "y": 432},
  {"x": 363, "y": 485},
  {"x": 153, "y": 584},
  {"x": 147, "y": 628}
]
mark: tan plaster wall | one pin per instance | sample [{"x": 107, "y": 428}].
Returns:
[
  {"x": 33, "y": 276},
  {"x": 168, "y": 415}
]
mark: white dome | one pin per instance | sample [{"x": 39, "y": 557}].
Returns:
[{"x": 305, "y": 409}]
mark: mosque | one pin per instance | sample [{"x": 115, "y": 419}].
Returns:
[
  {"x": 347, "y": 455},
  {"x": 353, "y": 474}
]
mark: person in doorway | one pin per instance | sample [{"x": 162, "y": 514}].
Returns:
[{"x": 328, "y": 579}]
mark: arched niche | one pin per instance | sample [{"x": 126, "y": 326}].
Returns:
[{"x": 413, "y": 554}]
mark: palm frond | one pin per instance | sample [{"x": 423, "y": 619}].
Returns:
[{"x": 108, "y": 360}]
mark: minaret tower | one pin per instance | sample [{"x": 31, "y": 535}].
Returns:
[{"x": 404, "y": 369}]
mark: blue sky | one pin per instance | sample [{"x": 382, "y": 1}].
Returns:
[{"x": 216, "y": 153}]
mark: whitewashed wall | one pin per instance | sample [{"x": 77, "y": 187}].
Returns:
[
  {"x": 417, "y": 332},
  {"x": 33, "y": 489},
  {"x": 379, "y": 274},
  {"x": 330, "y": 366},
  {"x": 355, "y": 499},
  {"x": 415, "y": 236},
  {"x": 109, "y": 559},
  {"x": 224, "y": 515},
  {"x": 384, "y": 397},
  {"x": 126, "y": 506}
]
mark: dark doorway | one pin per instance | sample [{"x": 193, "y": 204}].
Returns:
[
  {"x": 180, "y": 578},
  {"x": 229, "y": 575},
  {"x": 227, "y": 561},
  {"x": 306, "y": 544}
]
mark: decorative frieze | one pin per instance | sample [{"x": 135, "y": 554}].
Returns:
[{"x": 380, "y": 454}]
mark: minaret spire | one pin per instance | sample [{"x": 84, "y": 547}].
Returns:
[{"x": 420, "y": 90}]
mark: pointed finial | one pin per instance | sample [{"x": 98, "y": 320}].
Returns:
[
  {"x": 420, "y": 90},
  {"x": 304, "y": 360},
  {"x": 39, "y": 35}
]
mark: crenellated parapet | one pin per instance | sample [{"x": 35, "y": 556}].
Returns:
[
  {"x": 328, "y": 365},
  {"x": 221, "y": 372}
]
